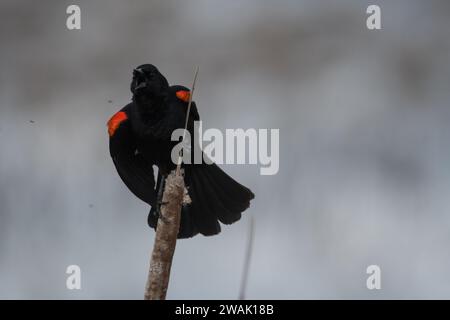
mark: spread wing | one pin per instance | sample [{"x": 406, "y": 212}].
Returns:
[{"x": 134, "y": 170}]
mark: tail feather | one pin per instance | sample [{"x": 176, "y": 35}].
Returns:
[
  {"x": 234, "y": 196},
  {"x": 188, "y": 228},
  {"x": 202, "y": 209},
  {"x": 228, "y": 210},
  {"x": 215, "y": 197}
]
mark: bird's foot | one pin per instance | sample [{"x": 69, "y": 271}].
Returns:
[{"x": 157, "y": 212}]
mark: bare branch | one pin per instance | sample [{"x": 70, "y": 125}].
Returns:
[{"x": 165, "y": 238}]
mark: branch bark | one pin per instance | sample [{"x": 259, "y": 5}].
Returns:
[{"x": 165, "y": 238}]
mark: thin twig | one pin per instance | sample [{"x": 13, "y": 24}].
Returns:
[
  {"x": 248, "y": 255},
  {"x": 187, "y": 119}
]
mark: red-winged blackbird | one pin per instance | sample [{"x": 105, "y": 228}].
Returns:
[{"x": 140, "y": 137}]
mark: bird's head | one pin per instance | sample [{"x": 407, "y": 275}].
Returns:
[{"x": 148, "y": 83}]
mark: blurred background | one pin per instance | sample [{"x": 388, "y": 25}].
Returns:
[{"x": 364, "y": 159}]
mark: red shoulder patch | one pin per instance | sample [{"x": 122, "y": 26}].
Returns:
[
  {"x": 115, "y": 122},
  {"x": 183, "y": 95}
]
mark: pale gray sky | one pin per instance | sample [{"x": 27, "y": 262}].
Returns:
[{"x": 364, "y": 160}]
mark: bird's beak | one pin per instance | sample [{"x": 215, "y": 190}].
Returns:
[{"x": 141, "y": 85}]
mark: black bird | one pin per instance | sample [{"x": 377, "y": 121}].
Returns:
[{"x": 140, "y": 137}]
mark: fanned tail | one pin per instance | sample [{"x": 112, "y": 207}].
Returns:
[{"x": 215, "y": 197}]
